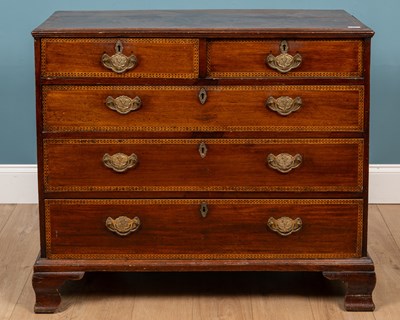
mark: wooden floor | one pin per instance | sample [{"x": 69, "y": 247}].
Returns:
[{"x": 195, "y": 296}]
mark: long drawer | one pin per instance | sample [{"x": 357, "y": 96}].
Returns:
[
  {"x": 129, "y": 58},
  {"x": 297, "y": 58},
  {"x": 203, "y": 165},
  {"x": 184, "y": 229},
  {"x": 225, "y": 108}
]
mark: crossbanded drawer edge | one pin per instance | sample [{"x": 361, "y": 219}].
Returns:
[{"x": 208, "y": 256}]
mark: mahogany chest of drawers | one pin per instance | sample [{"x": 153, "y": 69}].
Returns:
[{"x": 203, "y": 141}]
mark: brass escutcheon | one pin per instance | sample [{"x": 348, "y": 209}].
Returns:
[
  {"x": 283, "y": 62},
  {"x": 120, "y": 162},
  {"x": 284, "y": 162},
  {"x": 284, "y": 105},
  {"x": 123, "y": 104},
  {"x": 202, "y": 96},
  {"x": 119, "y": 62},
  {"x": 203, "y": 209},
  {"x": 203, "y": 150},
  {"x": 285, "y": 225},
  {"x": 123, "y": 225}
]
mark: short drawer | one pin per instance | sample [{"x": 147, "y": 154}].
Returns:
[
  {"x": 130, "y": 58},
  {"x": 227, "y": 229},
  {"x": 225, "y": 108},
  {"x": 281, "y": 58},
  {"x": 203, "y": 165}
]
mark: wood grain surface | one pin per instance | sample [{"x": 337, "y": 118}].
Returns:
[
  {"x": 230, "y": 165},
  {"x": 196, "y": 296},
  {"x": 217, "y": 23},
  {"x": 175, "y": 229},
  {"x": 177, "y": 109}
]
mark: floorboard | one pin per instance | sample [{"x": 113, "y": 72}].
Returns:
[
  {"x": 5, "y": 214},
  {"x": 19, "y": 247}
]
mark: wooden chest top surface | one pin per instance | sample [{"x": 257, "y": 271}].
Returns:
[{"x": 192, "y": 23}]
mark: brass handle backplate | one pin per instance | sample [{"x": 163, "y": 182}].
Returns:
[
  {"x": 123, "y": 225},
  {"x": 284, "y": 225},
  {"x": 123, "y": 104},
  {"x": 119, "y": 62},
  {"x": 283, "y": 62},
  {"x": 120, "y": 162},
  {"x": 284, "y": 162},
  {"x": 284, "y": 105}
]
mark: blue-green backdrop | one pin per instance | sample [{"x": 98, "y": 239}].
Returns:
[{"x": 19, "y": 17}]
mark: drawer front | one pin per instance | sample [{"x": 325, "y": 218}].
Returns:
[
  {"x": 203, "y": 165},
  {"x": 319, "y": 58},
  {"x": 175, "y": 229},
  {"x": 147, "y": 58},
  {"x": 227, "y": 108}
]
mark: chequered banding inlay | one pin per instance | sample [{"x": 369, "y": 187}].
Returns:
[
  {"x": 194, "y": 43},
  {"x": 272, "y": 73},
  {"x": 216, "y": 188},
  {"x": 206, "y": 128},
  {"x": 210, "y": 256}
]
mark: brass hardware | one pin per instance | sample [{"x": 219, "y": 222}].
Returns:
[
  {"x": 119, "y": 62},
  {"x": 284, "y": 225},
  {"x": 123, "y": 104},
  {"x": 203, "y": 209},
  {"x": 123, "y": 225},
  {"x": 284, "y": 62},
  {"x": 284, "y": 105},
  {"x": 203, "y": 150},
  {"x": 284, "y": 162},
  {"x": 203, "y": 96},
  {"x": 120, "y": 162}
]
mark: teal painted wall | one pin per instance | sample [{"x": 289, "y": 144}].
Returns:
[{"x": 19, "y": 17}]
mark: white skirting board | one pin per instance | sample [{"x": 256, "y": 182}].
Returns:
[
  {"x": 18, "y": 183},
  {"x": 384, "y": 183}
]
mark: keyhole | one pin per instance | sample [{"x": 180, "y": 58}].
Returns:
[
  {"x": 202, "y": 150},
  {"x": 203, "y": 96},
  {"x": 284, "y": 46},
  {"x": 118, "y": 46},
  {"x": 203, "y": 209}
]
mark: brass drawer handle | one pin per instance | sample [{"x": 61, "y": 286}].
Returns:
[
  {"x": 123, "y": 104},
  {"x": 123, "y": 225},
  {"x": 119, "y": 62},
  {"x": 283, "y": 62},
  {"x": 120, "y": 162},
  {"x": 284, "y": 225},
  {"x": 284, "y": 105},
  {"x": 284, "y": 162}
]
